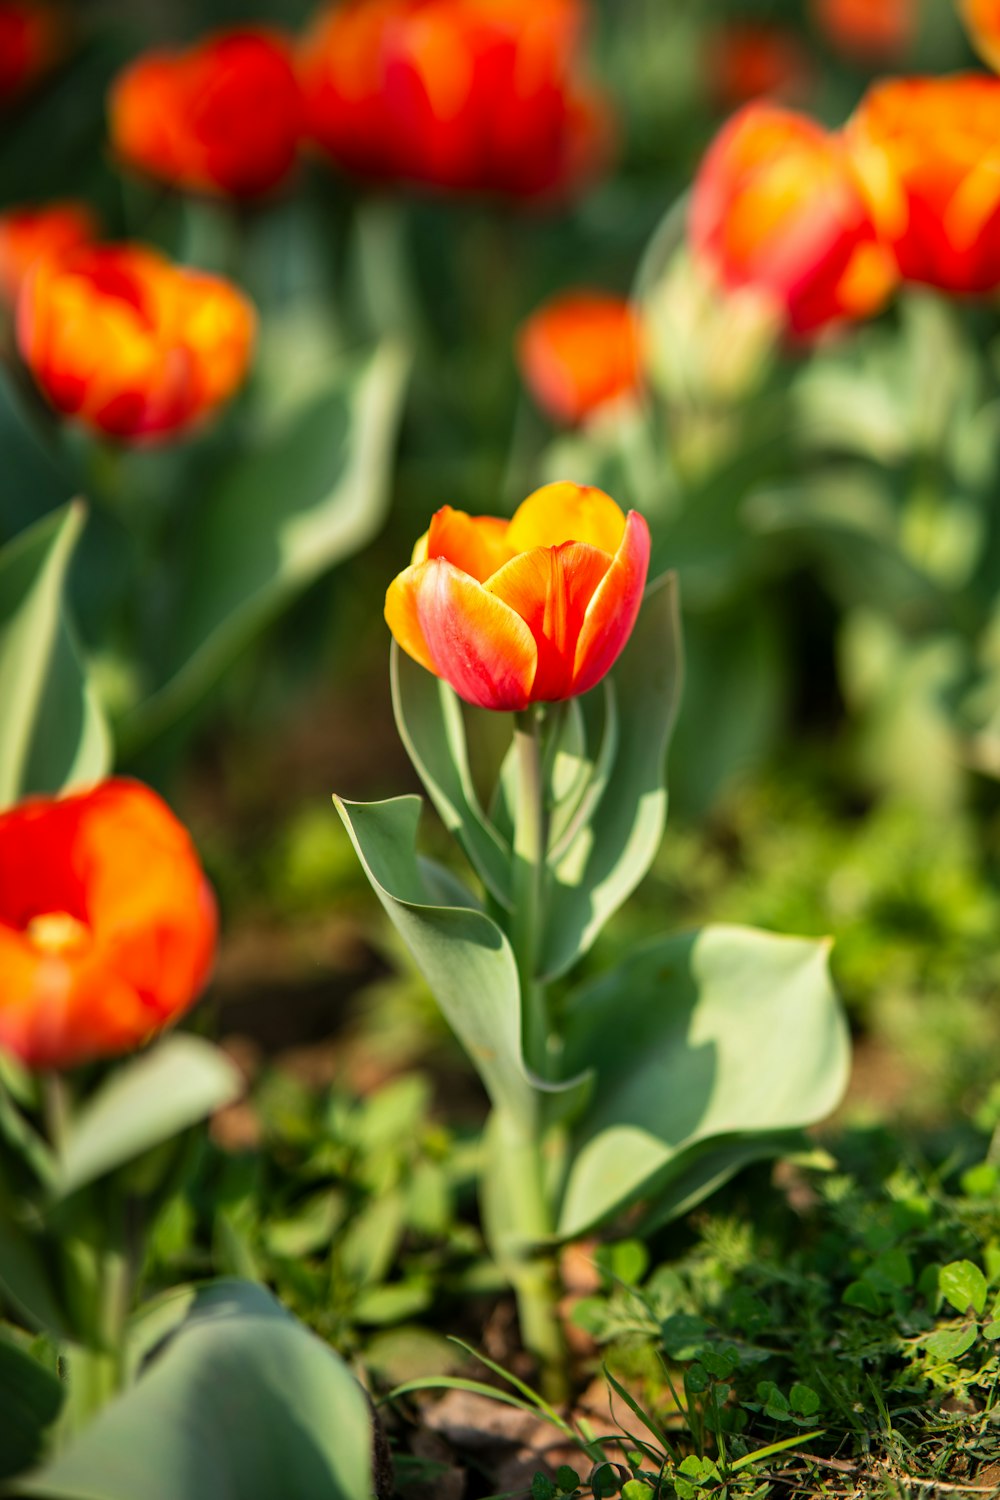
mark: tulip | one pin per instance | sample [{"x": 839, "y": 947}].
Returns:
[
  {"x": 580, "y": 351},
  {"x": 461, "y": 95},
  {"x": 107, "y": 924},
  {"x": 531, "y": 610},
  {"x": 867, "y": 31},
  {"x": 130, "y": 344},
  {"x": 28, "y": 235},
  {"x": 747, "y": 60},
  {"x": 776, "y": 206},
  {"x": 928, "y": 153},
  {"x": 223, "y": 117},
  {"x": 30, "y": 36},
  {"x": 982, "y": 19}
]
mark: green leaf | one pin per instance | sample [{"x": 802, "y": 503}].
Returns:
[
  {"x": 30, "y": 1398},
  {"x": 708, "y": 1047},
  {"x": 146, "y": 1101},
  {"x": 429, "y": 720},
  {"x": 281, "y": 516},
  {"x": 614, "y": 847},
  {"x": 52, "y": 732},
  {"x": 464, "y": 957},
  {"x": 963, "y": 1285},
  {"x": 950, "y": 1343},
  {"x": 243, "y": 1401}
]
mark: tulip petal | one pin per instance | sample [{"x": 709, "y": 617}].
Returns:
[
  {"x": 476, "y": 544},
  {"x": 614, "y": 608},
  {"x": 402, "y": 617},
  {"x": 550, "y": 588},
  {"x": 567, "y": 512},
  {"x": 476, "y": 642}
]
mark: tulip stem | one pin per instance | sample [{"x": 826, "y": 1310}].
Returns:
[{"x": 530, "y": 843}]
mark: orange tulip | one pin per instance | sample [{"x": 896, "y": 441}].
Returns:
[
  {"x": 132, "y": 345},
  {"x": 776, "y": 206},
  {"x": 28, "y": 235},
  {"x": 531, "y": 610},
  {"x": 464, "y": 95},
  {"x": 747, "y": 60},
  {"x": 982, "y": 18},
  {"x": 868, "y": 31},
  {"x": 928, "y": 153},
  {"x": 580, "y": 351},
  {"x": 223, "y": 117},
  {"x": 30, "y": 42},
  {"x": 107, "y": 924}
]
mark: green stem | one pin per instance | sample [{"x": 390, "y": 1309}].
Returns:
[{"x": 530, "y": 841}]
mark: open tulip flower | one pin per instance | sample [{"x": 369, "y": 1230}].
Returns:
[
  {"x": 130, "y": 344},
  {"x": 928, "y": 151},
  {"x": 580, "y": 351},
  {"x": 223, "y": 117},
  {"x": 777, "y": 206},
  {"x": 532, "y": 610},
  {"x": 463, "y": 95},
  {"x": 107, "y": 924},
  {"x": 30, "y": 36},
  {"x": 28, "y": 235}
]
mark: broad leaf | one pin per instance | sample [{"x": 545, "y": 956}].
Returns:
[
  {"x": 464, "y": 957},
  {"x": 708, "y": 1048},
  {"x": 429, "y": 720},
  {"x": 52, "y": 733},
  {"x": 145, "y": 1102},
  {"x": 615, "y": 846},
  {"x": 30, "y": 1398},
  {"x": 244, "y": 1403},
  {"x": 281, "y": 517}
]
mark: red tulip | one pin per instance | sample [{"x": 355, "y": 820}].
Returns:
[
  {"x": 223, "y": 117},
  {"x": 777, "y": 206},
  {"x": 928, "y": 153},
  {"x": 869, "y": 31},
  {"x": 30, "y": 41},
  {"x": 531, "y": 610},
  {"x": 465, "y": 95},
  {"x": 747, "y": 60},
  {"x": 580, "y": 351},
  {"x": 107, "y": 924},
  {"x": 130, "y": 344},
  {"x": 28, "y": 235}
]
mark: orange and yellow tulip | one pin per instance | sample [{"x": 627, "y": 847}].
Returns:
[
  {"x": 580, "y": 351},
  {"x": 223, "y": 117},
  {"x": 928, "y": 153},
  {"x": 107, "y": 924},
  {"x": 463, "y": 95},
  {"x": 776, "y": 206},
  {"x": 531, "y": 610},
  {"x": 30, "y": 42},
  {"x": 131, "y": 344},
  {"x": 28, "y": 235},
  {"x": 867, "y": 31}
]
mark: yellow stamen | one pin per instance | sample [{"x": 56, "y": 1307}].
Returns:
[{"x": 57, "y": 933}]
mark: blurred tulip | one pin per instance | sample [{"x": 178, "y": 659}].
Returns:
[
  {"x": 223, "y": 117},
  {"x": 107, "y": 924},
  {"x": 531, "y": 610},
  {"x": 466, "y": 95},
  {"x": 868, "y": 31},
  {"x": 982, "y": 20},
  {"x": 578, "y": 352},
  {"x": 776, "y": 206},
  {"x": 30, "y": 42},
  {"x": 28, "y": 235},
  {"x": 747, "y": 60},
  {"x": 928, "y": 153},
  {"x": 131, "y": 344}
]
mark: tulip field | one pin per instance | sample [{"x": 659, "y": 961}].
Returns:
[{"x": 499, "y": 749}]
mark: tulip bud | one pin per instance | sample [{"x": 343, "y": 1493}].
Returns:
[
  {"x": 461, "y": 95},
  {"x": 223, "y": 117},
  {"x": 130, "y": 344},
  {"x": 107, "y": 924},
  {"x": 776, "y": 206},
  {"x": 531, "y": 610},
  {"x": 579, "y": 352}
]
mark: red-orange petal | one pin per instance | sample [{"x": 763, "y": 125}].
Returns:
[
  {"x": 475, "y": 641},
  {"x": 614, "y": 608},
  {"x": 476, "y": 544},
  {"x": 403, "y": 619},
  {"x": 550, "y": 588}
]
